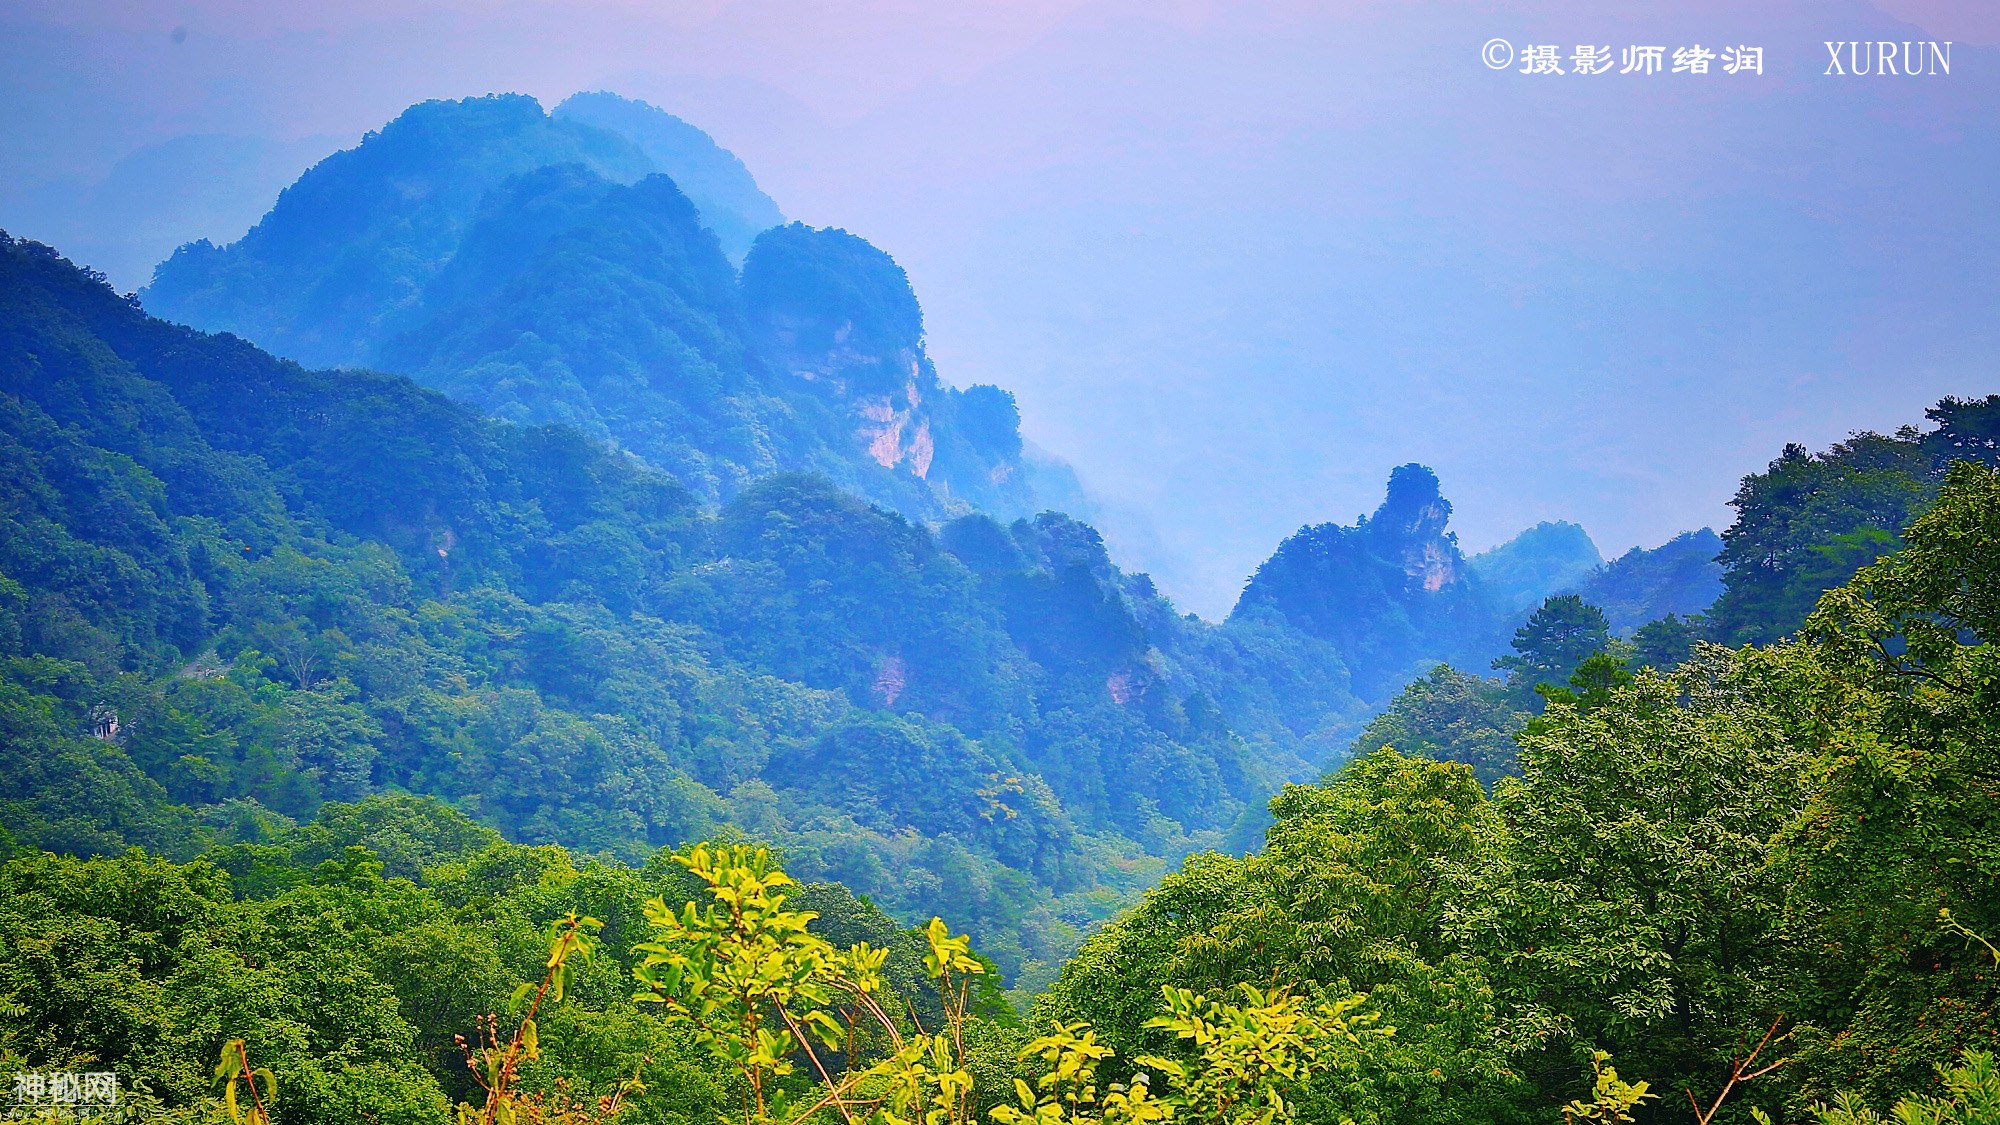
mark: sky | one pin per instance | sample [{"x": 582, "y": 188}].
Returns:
[{"x": 1236, "y": 260}]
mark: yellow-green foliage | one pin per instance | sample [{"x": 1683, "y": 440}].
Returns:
[{"x": 758, "y": 990}]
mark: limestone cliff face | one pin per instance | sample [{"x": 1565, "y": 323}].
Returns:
[
  {"x": 833, "y": 312},
  {"x": 1410, "y": 528},
  {"x": 883, "y": 394},
  {"x": 896, "y": 434}
]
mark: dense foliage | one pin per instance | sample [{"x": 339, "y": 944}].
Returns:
[
  {"x": 232, "y": 589},
  {"x": 349, "y": 952},
  {"x": 1794, "y": 842},
  {"x": 1810, "y": 520}
]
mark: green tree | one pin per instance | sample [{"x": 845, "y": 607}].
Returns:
[
  {"x": 1636, "y": 910},
  {"x": 1898, "y": 676},
  {"x": 1972, "y": 1097},
  {"x": 1557, "y": 638},
  {"x": 1452, "y": 716}
]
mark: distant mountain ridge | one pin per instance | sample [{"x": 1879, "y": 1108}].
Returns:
[
  {"x": 1394, "y": 595},
  {"x": 1682, "y": 576},
  {"x": 721, "y": 188},
  {"x": 348, "y": 247},
  {"x": 542, "y": 267},
  {"x": 1547, "y": 558}
]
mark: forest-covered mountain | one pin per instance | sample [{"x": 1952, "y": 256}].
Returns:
[
  {"x": 394, "y": 680},
  {"x": 235, "y": 589},
  {"x": 1763, "y": 878},
  {"x": 1805, "y": 525},
  {"x": 714, "y": 180},
  {"x": 576, "y": 267},
  {"x": 1682, "y": 576},
  {"x": 392, "y": 694},
  {"x": 1548, "y": 558},
  {"x": 1392, "y": 593}
]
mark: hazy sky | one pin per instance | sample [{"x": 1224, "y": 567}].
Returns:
[{"x": 1236, "y": 260}]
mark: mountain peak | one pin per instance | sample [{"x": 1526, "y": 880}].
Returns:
[
  {"x": 1410, "y": 526},
  {"x": 577, "y": 268},
  {"x": 1391, "y": 592},
  {"x": 721, "y": 187},
  {"x": 1550, "y": 557}
]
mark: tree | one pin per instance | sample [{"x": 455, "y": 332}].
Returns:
[
  {"x": 1558, "y": 637},
  {"x": 1898, "y": 676},
  {"x": 1352, "y": 893},
  {"x": 1636, "y": 910},
  {"x": 758, "y": 989},
  {"x": 1666, "y": 642},
  {"x": 1245, "y": 1059},
  {"x": 1972, "y": 1098},
  {"x": 1454, "y": 717}
]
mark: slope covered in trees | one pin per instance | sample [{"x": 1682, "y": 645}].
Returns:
[
  {"x": 1392, "y": 594},
  {"x": 1802, "y": 528},
  {"x": 721, "y": 188},
  {"x": 1763, "y": 881},
  {"x": 1790, "y": 844},
  {"x": 580, "y": 268},
  {"x": 1548, "y": 558},
  {"x": 234, "y": 589},
  {"x": 1682, "y": 577}
]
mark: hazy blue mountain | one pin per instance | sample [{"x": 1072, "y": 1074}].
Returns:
[
  {"x": 830, "y": 313},
  {"x": 1680, "y": 576},
  {"x": 349, "y": 247},
  {"x": 202, "y": 185},
  {"x": 540, "y": 267},
  {"x": 1392, "y": 593},
  {"x": 723, "y": 190},
  {"x": 1545, "y": 559}
]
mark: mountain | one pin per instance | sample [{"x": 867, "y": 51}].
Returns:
[
  {"x": 539, "y": 267},
  {"x": 721, "y": 188},
  {"x": 1680, "y": 577},
  {"x": 233, "y": 589},
  {"x": 1392, "y": 594},
  {"x": 1545, "y": 559},
  {"x": 351, "y": 244}
]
